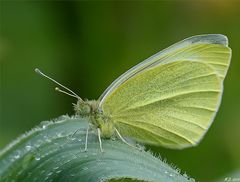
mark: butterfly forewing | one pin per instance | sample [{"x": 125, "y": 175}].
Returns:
[{"x": 210, "y": 48}]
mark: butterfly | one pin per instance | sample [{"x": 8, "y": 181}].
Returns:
[{"x": 168, "y": 100}]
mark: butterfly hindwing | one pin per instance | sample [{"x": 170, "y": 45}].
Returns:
[{"x": 171, "y": 105}]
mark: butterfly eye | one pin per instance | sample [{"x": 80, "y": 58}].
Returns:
[
  {"x": 100, "y": 111},
  {"x": 83, "y": 108}
]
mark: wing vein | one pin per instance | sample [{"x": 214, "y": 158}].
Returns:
[
  {"x": 171, "y": 97},
  {"x": 204, "y": 108},
  {"x": 173, "y": 133},
  {"x": 187, "y": 121}
]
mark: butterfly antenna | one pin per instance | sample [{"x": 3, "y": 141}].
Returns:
[
  {"x": 64, "y": 92},
  {"x": 73, "y": 94}
]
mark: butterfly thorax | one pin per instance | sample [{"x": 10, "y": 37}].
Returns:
[{"x": 90, "y": 109}]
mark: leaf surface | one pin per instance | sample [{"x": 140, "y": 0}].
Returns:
[{"x": 50, "y": 153}]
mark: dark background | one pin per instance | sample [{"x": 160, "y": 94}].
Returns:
[{"x": 86, "y": 45}]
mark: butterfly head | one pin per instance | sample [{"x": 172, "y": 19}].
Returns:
[{"x": 86, "y": 108}]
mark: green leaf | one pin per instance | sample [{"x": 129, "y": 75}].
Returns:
[{"x": 50, "y": 153}]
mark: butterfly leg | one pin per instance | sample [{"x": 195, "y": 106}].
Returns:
[
  {"x": 99, "y": 138},
  {"x": 74, "y": 133},
  {"x": 124, "y": 141},
  {"x": 86, "y": 140},
  {"x": 69, "y": 138}
]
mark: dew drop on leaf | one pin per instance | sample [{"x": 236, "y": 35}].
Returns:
[
  {"x": 85, "y": 168},
  {"x": 17, "y": 156},
  {"x": 37, "y": 158},
  {"x": 58, "y": 171},
  {"x": 28, "y": 147}
]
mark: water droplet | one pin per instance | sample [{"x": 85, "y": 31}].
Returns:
[
  {"x": 44, "y": 126},
  {"x": 37, "y": 158},
  {"x": 48, "y": 140},
  {"x": 59, "y": 135},
  {"x": 49, "y": 174},
  {"x": 166, "y": 172},
  {"x": 171, "y": 175},
  {"x": 58, "y": 171},
  {"x": 85, "y": 168},
  {"x": 28, "y": 147},
  {"x": 17, "y": 156},
  {"x": 79, "y": 139},
  {"x": 73, "y": 139}
]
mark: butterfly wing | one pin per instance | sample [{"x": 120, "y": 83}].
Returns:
[
  {"x": 172, "y": 101},
  {"x": 209, "y": 48}
]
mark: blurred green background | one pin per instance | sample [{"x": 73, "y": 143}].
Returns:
[{"x": 86, "y": 45}]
